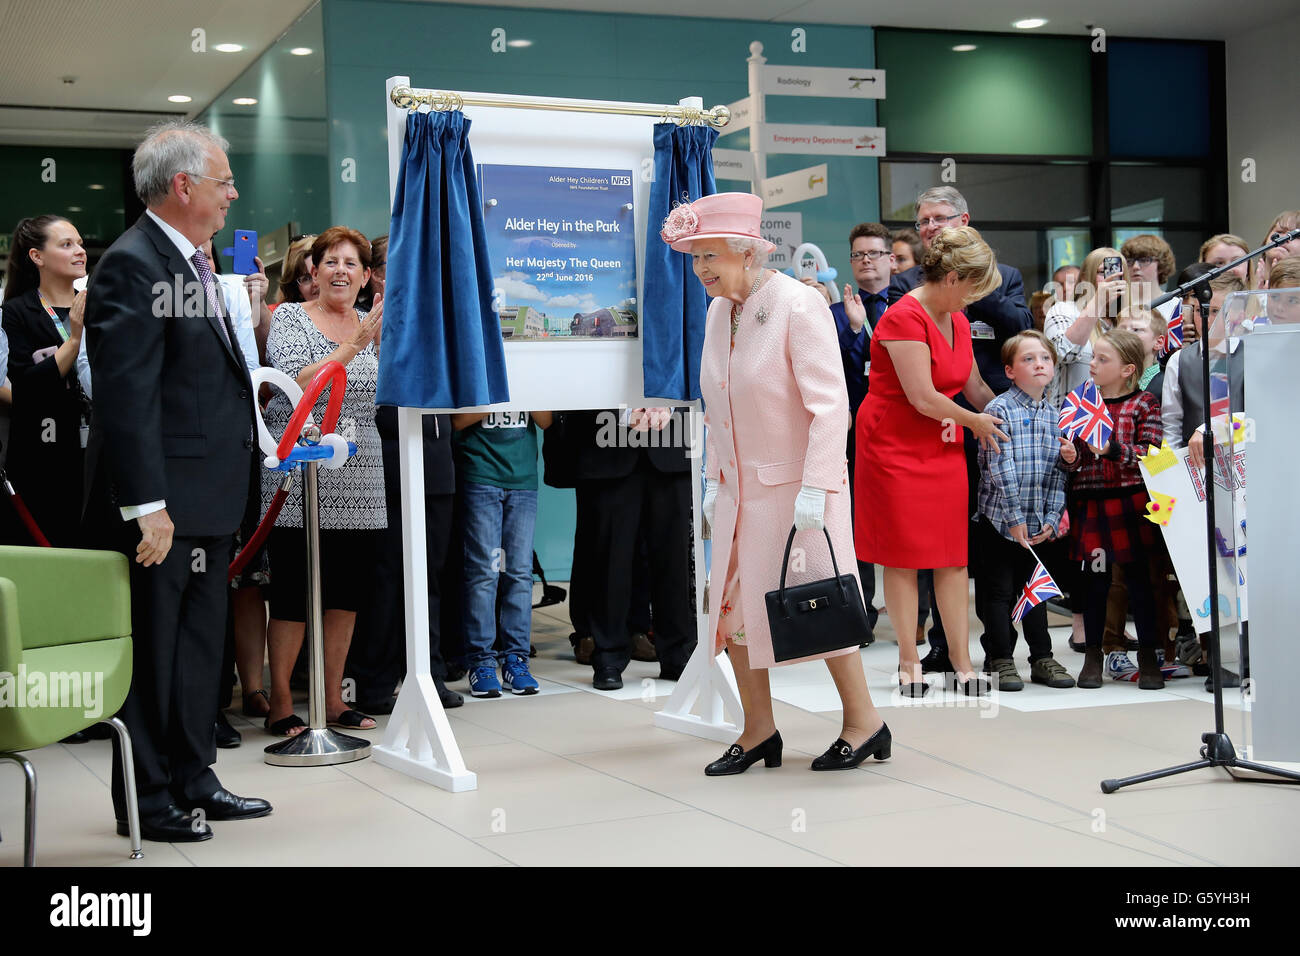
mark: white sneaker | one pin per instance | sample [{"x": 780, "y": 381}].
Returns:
[{"x": 1120, "y": 667}]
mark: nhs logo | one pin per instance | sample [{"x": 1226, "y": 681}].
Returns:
[{"x": 620, "y": 180}]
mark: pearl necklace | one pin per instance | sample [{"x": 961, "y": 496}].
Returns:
[{"x": 737, "y": 307}]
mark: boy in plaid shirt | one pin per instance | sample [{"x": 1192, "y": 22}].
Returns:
[{"x": 1021, "y": 499}]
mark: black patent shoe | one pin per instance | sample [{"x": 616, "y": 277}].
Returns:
[
  {"x": 973, "y": 687},
  {"x": 738, "y": 760},
  {"x": 841, "y": 756}
]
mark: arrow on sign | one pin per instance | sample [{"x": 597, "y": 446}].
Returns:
[
  {"x": 814, "y": 180},
  {"x": 859, "y": 80}
]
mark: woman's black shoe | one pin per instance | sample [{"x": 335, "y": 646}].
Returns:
[
  {"x": 974, "y": 687},
  {"x": 917, "y": 688},
  {"x": 841, "y": 756},
  {"x": 738, "y": 760}
]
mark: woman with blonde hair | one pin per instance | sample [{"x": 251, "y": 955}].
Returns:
[
  {"x": 1073, "y": 327},
  {"x": 910, "y": 477}
]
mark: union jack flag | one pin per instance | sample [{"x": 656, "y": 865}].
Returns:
[
  {"x": 1039, "y": 589},
  {"x": 1084, "y": 413},
  {"x": 1218, "y": 395},
  {"x": 1173, "y": 338}
]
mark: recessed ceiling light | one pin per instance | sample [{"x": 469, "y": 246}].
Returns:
[
  {"x": 74, "y": 209},
  {"x": 963, "y": 47},
  {"x": 301, "y": 51},
  {"x": 95, "y": 186},
  {"x": 179, "y": 98},
  {"x": 518, "y": 43},
  {"x": 244, "y": 101},
  {"x": 228, "y": 48},
  {"x": 1032, "y": 23}
]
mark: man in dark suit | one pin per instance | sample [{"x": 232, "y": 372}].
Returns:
[
  {"x": 169, "y": 455},
  {"x": 993, "y": 319},
  {"x": 871, "y": 259},
  {"x": 632, "y": 470}
]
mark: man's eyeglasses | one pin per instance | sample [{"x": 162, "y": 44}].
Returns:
[
  {"x": 1143, "y": 262},
  {"x": 228, "y": 183},
  {"x": 871, "y": 255},
  {"x": 936, "y": 221}
]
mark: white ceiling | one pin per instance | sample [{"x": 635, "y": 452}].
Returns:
[
  {"x": 129, "y": 55},
  {"x": 126, "y": 56}
]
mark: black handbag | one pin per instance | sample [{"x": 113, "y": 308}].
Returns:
[{"x": 817, "y": 617}]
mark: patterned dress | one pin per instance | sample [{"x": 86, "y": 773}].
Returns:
[{"x": 352, "y": 497}]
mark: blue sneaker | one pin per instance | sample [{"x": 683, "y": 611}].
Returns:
[
  {"x": 515, "y": 676},
  {"x": 483, "y": 681}
]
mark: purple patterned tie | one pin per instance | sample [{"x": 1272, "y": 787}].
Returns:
[{"x": 204, "y": 270}]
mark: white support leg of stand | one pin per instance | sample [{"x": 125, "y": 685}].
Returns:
[
  {"x": 419, "y": 740},
  {"x": 708, "y": 680}
]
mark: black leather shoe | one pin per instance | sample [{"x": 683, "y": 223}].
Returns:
[
  {"x": 228, "y": 738},
  {"x": 738, "y": 760},
  {"x": 449, "y": 698},
  {"x": 607, "y": 679},
  {"x": 224, "y": 805},
  {"x": 937, "y": 662},
  {"x": 172, "y": 825},
  {"x": 840, "y": 756}
]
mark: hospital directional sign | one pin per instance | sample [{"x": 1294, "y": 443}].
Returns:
[
  {"x": 823, "y": 81},
  {"x": 826, "y": 140}
]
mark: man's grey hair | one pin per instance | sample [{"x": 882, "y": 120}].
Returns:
[
  {"x": 743, "y": 244},
  {"x": 943, "y": 195},
  {"x": 169, "y": 148}
]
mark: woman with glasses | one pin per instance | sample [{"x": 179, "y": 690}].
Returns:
[{"x": 297, "y": 283}]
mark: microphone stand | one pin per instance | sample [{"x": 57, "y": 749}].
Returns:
[{"x": 1216, "y": 750}]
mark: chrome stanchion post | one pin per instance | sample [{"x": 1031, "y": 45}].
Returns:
[{"x": 317, "y": 746}]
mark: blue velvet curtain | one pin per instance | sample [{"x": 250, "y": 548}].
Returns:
[
  {"x": 441, "y": 344},
  {"x": 672, "y": 324}
]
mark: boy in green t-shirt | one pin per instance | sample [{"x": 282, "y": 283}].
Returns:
[{"x": 496, "y": 461}]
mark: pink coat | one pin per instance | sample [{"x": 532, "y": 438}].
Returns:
[{"x": 777, "y": 413}]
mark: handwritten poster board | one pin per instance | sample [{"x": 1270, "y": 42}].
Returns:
[
  {"x": 1170, "y": 474},
  {"x": 562, "y": 246}
]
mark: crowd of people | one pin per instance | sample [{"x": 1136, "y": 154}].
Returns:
[{"x": 132, "y": 429}]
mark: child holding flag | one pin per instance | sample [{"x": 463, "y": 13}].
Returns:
[
  {"x": 1021, "y": 498},
  {"x": 1111, "y": 430}
]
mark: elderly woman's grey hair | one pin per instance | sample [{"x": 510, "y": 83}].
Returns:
[
  {"x": 169, "y": 148},
  {"x": 943, "y": 196},
  {"x": 742, "y": 244}
]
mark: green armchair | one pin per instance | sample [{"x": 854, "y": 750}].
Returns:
[{"x": 65, "y": 658}]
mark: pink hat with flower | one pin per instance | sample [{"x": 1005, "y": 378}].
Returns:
[{"x": 720, "y": 216}]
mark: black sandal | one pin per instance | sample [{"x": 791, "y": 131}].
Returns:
[
  {"x": 282, "y": 726},
  {"x": 248, "y": 711}
]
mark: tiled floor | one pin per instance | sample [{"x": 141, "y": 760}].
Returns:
[{"x": 574, "y": 776}]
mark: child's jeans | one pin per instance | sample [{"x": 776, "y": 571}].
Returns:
[{"x": 499, "y": 525}]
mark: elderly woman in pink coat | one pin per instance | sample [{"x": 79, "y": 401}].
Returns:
[{"x": 776, "y": 413}]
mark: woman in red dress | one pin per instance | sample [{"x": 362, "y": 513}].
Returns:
[{"x": 910, "y": 488}]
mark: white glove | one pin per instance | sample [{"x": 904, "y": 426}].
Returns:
[
  {"x": 810, "y": 509},
  {"x": 710, "y": 499}
]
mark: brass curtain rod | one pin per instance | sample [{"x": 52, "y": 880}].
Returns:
[{"x": 405, "y": 97}]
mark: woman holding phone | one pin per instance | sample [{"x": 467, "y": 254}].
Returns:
[
  {"x": 42, "y": 317},
  {"x": 1074, "y": 326}
]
